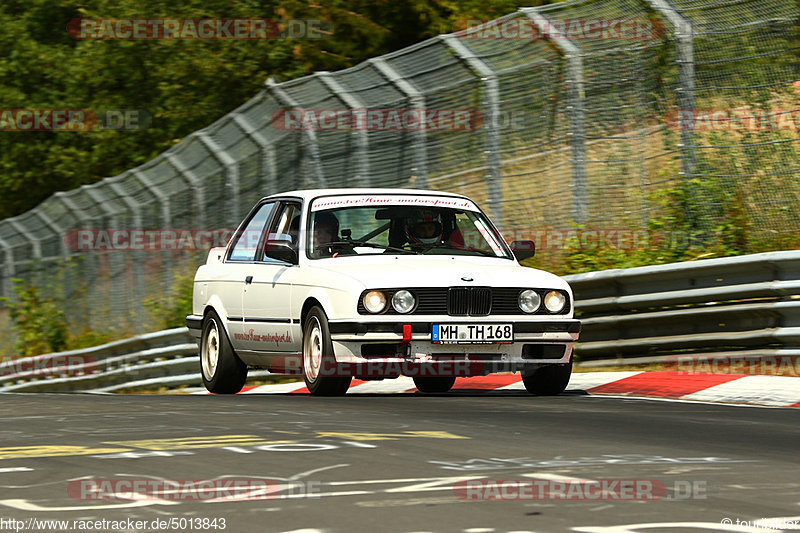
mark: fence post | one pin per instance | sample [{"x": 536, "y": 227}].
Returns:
[
  {"x": 113, "y": 261},
  {"x": 311, "y": 136},
  {"x": 8, "y": 289},
  {"x": 359, "y": 131},
  {"x": 492, "y": 106},
  {"x": 194, "y": 181},
  {"x": 231, "y": 168},
  {"x": 417, "y": 101},
  {"x": 574, "y": 56},
  {"x": 684, "y": 37},
  {"x": 268, "y": 155},
  {"x": 138, "y": 262},
  {"x": 166, "y": 219},
  {"x": 89, "y": 261},
  {"x": 59, "y": 232}
]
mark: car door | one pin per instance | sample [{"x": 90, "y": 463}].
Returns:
[
  {"x": 239, "y": 265},
  {"x": 266, "y": 298}
]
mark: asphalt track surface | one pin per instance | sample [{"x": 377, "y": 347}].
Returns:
[{"x": 390, "y": 462}]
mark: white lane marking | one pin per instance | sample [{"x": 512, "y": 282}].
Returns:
[
  {"x": 714, "y": 526},
  {"x": 557, "y": 477},
  {"x": 314, "y": 471},
  {"x": 26, "y": 505},
  {"x": 16, "y": 469},
  {"x": 403, "y": 480}
]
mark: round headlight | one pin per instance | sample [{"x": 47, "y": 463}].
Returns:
[
  {"x": 403, "y": 301},
  {"x": 375, "y": 301},
  {"x": 554, "y": 301},
  {"x": 529, "y": 301}
]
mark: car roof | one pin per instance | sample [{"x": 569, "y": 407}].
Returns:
[{"x": 310, "y": 194}]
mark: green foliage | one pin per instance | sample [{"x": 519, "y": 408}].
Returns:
[
  {"x": 170, "y": 311},
  {"x": 39, "y": 321},
  {"x": 183, "y": 85}
]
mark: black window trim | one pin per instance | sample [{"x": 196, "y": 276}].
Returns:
[
  {"x": 506, "y": 248},
  {"x": 261, "y": 239}
]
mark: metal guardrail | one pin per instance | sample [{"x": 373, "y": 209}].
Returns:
[
  {"x": 712, "y": 305},
  {"x": 748, "y": 305}
]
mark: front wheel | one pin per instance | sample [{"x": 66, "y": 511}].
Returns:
[
  {"x": 437, "y": 384},
  {"x": 223, "y": 372},
  {"x": 318, "y": 358},
  {"x": 547, "y": 380}
]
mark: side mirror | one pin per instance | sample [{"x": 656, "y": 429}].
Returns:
[
  {"x": 282, "y": 251},
  {"x": 523, "y": 249}
]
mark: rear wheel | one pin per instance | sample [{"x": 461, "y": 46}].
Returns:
[
  {"x": 222, "y": 370},
  {"x": 548, "y": 380},
  {"x": 318, "y": 358},
  {"x": 437, "y": 384}
]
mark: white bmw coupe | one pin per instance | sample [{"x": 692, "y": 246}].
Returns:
[{"x": 375, "y": 284}]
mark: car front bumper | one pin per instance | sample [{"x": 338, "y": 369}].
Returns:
[{"x": 371, "y": 344}]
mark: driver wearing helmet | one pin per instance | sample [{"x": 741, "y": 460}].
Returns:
[{"x": 425, "y": 227}]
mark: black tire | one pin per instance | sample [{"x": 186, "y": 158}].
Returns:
[
  {"x": 548, "y": 380},
  {"x": 437, "y": 384},
  {"x": 222, "y": 370},
  {"x": 318, "y": 355}
]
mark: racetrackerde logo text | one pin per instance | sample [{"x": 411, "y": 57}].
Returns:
[
  {"x": 377, "y": 119},
  {"x": 217, "y": 490},
  {"x": 181, "y": 29},
  {"x": 73, "y": 119},
  {"x": 573, "y": 29}
]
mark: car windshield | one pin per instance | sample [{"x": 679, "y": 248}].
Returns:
[{"x": 400, "y": 224}]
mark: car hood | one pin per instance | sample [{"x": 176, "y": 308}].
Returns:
[{"x": 420, "y": 271}]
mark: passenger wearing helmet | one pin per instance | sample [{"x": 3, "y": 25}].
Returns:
[{"x": 425, "y": 227}]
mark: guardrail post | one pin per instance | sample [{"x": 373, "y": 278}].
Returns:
[
  {"x": 492, "y": 107},
  {"x": 574, "y": 56},
  {"x": 417, "y": 101},
  {"x": 312, "y": 146},
  {"x": 360, "y": 131}
]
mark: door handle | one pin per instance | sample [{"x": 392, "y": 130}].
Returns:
[{"x": 248, "y": 280}]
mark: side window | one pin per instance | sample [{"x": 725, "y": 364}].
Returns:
[
  {"x": 285, "y": 227},
  {"x": 247, "y": 241}
]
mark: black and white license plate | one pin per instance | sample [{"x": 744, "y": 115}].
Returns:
[{"x": 472, "y": 333}]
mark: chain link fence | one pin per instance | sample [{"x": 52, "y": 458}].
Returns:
[{"x": 594, "y": 114}]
